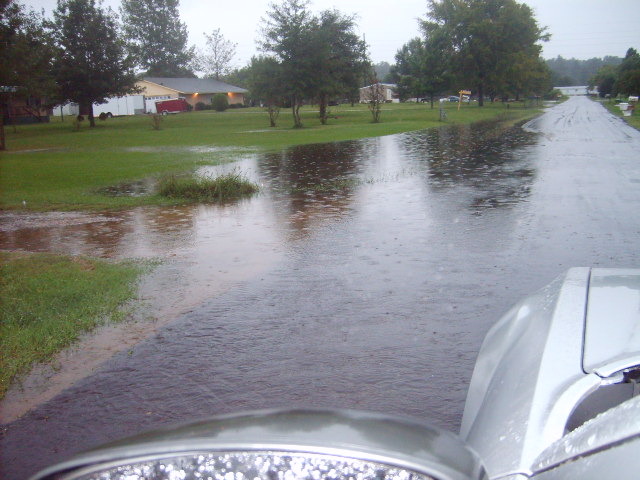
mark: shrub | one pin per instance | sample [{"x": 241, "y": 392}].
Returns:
[
  {"x": 156, "y": 121},
  {"x": 220, "y": 102},
  {"x": 230, "y": 186},
  {"x": 202, "y": 106}
]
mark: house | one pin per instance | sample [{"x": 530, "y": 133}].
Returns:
[
  {"x": 193, "y": 90},
  {"x": 388, "y": 93},
  {"x": 17, "y": 108}
]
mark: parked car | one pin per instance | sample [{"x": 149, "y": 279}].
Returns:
[
  {"x": 554, "y": 395},
  {"x": 454, "y": 98}
]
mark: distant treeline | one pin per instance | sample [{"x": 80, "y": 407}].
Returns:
[
  {"x": 568, "y": 72},
  {"x": 565, "y": 72}
]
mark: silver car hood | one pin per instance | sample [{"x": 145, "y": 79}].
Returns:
[
  {"x": 546, "y": 356},
  {"x": 612, "y": 336}
]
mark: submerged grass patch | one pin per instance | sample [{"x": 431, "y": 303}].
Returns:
[
  {"x": 49, "y": 300},
  {"x": 230, "y": 186}
]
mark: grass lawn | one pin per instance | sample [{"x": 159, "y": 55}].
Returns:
[
  {"x": 633, "y": 120},
  {"x": 51, "y": 166},
  {"x": 49, "y": 300}
]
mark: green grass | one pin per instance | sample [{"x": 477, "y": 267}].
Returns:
[
  {"x": 51, "y": 166},
  {"x": 223, "y": 188},
  {"x": 49, "y": 300},
  {"x": 633, "y": 120}
]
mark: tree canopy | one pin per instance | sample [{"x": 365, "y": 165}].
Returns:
[
  {"x": 422, "y": 68},
  {"x": 342, "y": 60},
  {"x": 628, "y": 81},
  {"x": 320, "y": 56},
  {"x": 571, "y": 71},
  {"x": 622, "y": 79},
  {"x": 287, "y": 31},
  {"x": 489, "y": 39},
  {"x": 267, "y": 85},
  {"x": 156, "y": 37},
  {"x": 91, "y": 64},
  {"x": 216, "y": 59},
  {"x": 26, "y": 52},
  {"x": 604, "y": 80}
]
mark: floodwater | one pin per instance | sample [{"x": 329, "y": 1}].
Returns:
[{"x": 364, "y": 275}]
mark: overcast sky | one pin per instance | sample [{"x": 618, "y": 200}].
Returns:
[{"x": 579, "y": 28}]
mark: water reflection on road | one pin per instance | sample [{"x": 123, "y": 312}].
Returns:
[{"x": 364, "y": 275}]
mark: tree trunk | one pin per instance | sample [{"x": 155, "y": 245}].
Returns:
[
  {"x": 274, "y": 111},
  {"x": 92, "y": 120},
  {"x": 3, "y": 145},
  {"x": 431, "y": 98},
  {"x": 480, "y": 94},
  {"x": 323, "y": 108},
  {"x": 295, "y": 108}
]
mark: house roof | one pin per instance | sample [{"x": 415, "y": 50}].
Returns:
[{"x": 195, "y": 85}]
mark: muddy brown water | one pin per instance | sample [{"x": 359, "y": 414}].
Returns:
[{"x": 364, "y": 275}]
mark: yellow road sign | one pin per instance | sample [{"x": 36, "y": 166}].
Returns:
[{"x": 462, "y": 92}]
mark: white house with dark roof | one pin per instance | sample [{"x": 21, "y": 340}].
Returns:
[{"x": 193, "y": 90}]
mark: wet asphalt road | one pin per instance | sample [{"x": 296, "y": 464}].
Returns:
[{"x": 391, "y": 275}]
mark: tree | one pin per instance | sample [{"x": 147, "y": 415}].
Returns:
[
  {"x": 320, "y": 56},
  {"x": 341, "y": 58},
  {"x": 604, "y": 80},
  {"x": 156, "y": 37},
  {"x": 527, "y": 76},
  {"x": 422, "y": 67},
  {"x": 568, "y": 72},
  {"x": 374, "y": 96},
  {"x": 487, "y": 37},
  {"x": 26, "y": 53},
  {"x": 628, "y": 82},
  {"x": 287, "y": 34},
  {"x": 239, "y": 76},
  {"x": 25, "y": 50},
  {"x": 560, "y": 80},
  {"x": 91, "y": 64},
  {"x": 407, "y": 71},
  {"x": 383, "y": 71},
  {"x": 267, "y": 86},
  {"x": 216, "y": 60}
]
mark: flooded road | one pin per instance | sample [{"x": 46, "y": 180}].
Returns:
[{"x": 364, "y": 275}]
